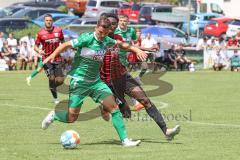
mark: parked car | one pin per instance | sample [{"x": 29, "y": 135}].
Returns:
[
  {"x": 64, "y": 21},
  {"x": 145, "y": 13},
  {"x": 125, "y": 8},
  {"x": 12, "y": 9},
  {"x": 96, "y": 7},
  {"x": 12, "y": 24},
  {"x": 84, "y": 21},
  {"x": 168, "y": 36},
  {"x": 134, "y": 12},
  {"x": 40, "y": 20},
  {"x": 217, "y": 27},
  {"x": 78, "y": 6},
  {"x": 198, "y": 22},
  {"x": 233, "y": 28},
  {"x": 33, "y": 13},
  {"x": 41, "y": 3},
  {"x": 4, "y": 12}
]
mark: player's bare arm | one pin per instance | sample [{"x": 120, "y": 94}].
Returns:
[
  {"x": 58, "y": 51},
  {"x": 140, "y": 54}
]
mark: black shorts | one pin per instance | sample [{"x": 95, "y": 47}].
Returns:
[
  {"x": 13, "y": 56},
  {"x": 123, "y": 85},
  {"x": 54, "y": 69}
]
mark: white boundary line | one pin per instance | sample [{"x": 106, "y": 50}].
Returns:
[
  {"x": 165, "y": 105},
  {"x": 27, "y": 107},
  {"x": 214, "y": 124}
]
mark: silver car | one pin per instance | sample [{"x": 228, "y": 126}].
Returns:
[{"x": 96, "y": 7}]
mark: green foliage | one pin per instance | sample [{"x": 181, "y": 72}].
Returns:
[
  {"x": 63, "y": 9},
  {"x": 20, "y": 33}
]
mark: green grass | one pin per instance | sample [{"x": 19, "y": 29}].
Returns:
[{"x": 210, "y": 132}]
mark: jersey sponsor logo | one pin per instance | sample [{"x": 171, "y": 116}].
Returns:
[
  {"x": 56, "y": 34},
  {"x": 99, "y": 54},
  {"x": 53, "y": 40},
  {"x": 113, "y": 49}
]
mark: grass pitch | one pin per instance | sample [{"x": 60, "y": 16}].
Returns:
[{"x": 205, "y": 104}]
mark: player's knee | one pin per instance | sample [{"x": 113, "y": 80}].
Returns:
[
  {"x": 59, "y": 81},
  {"x": 72, "y": 118},
  {"x": 145, "y": 102},
  {"x": 51, "y": 78}
]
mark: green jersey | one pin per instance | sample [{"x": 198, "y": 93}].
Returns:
[
  {"x": 128, "y": 35},
  {"x": 89, "y": 55}
]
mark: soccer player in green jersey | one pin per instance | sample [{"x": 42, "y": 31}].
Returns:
[{"x": 86, "y": 80}]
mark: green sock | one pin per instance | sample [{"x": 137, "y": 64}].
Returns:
[
  {"x": 34, "y": 73},
  {"x": 118, "y": 124},
  {"x": 61, "y": 116}
]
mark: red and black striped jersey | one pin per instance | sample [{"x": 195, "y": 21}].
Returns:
[
  {"x": 112, "y": 67},
  {"x": 50, "y": 40}
]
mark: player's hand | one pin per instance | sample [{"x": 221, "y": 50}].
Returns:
[
  {"x": 48, "y": 59},
  {"x": 141, "y": 55}
]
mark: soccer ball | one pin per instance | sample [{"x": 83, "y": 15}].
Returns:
[{"x": 70, "y": 139}]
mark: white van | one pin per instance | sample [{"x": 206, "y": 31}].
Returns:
[
  {"x": 210, "y": 6},
  {"x": 96, "y": 7}
]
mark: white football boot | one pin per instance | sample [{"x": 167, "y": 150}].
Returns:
[
  {"x": 48, "y": 120},
  {"x": 130, "y": 143}
]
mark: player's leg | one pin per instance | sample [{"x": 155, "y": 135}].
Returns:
[
  {"x": 102, "y": 94},
  {"x": 143, "y": 70},
  {"x": 25, "y": 64},
  {"x": 58, "y": 73},
  {"x": 138, "y": 93},
  {"x": 21, "y": 60},
  {"x": 30, "y": 62},
  {"x": 50, "y": 72},
  {"x": 68, "y": 114},
  {"x": 118, "y": 88},
  {"x": 35, "y": 72}
]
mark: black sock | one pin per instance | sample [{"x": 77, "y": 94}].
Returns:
[
  {"x": 157, "y": 117},
  {"x": 52, "y": 87},
  {"x": 54, "y": 92}
]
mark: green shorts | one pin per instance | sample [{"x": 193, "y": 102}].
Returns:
[{"x": 79, "y": 90}]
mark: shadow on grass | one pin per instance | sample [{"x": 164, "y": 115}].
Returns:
[{"x": 117, "y": 142}]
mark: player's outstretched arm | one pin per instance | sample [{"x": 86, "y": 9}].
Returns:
[
  {"x": 60, "y": 49},
  {"x": 140, "y": 54}
]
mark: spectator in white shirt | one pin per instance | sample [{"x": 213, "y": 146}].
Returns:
[
  {"x": 25, "y": 56},
  {"x": 2, "y": 39},
  {"x": 202, "y": 43},
  {"x": 218, "y": 61},
  {"x": 12, "y": 44}
]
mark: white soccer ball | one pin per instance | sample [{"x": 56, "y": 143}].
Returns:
[{"x": 70, "y": 139}]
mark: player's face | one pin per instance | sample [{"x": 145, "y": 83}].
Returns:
[
  {"x": 48, "y": 22},
  {"x": 123, "y": 22},
  {"x": 101, "y": 32},
  {"x": 114, "y": 24}
]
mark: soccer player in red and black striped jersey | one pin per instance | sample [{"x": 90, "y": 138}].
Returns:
[
  {"x": 50, "y": 38},
  {"x": 115, "y": 75}
]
